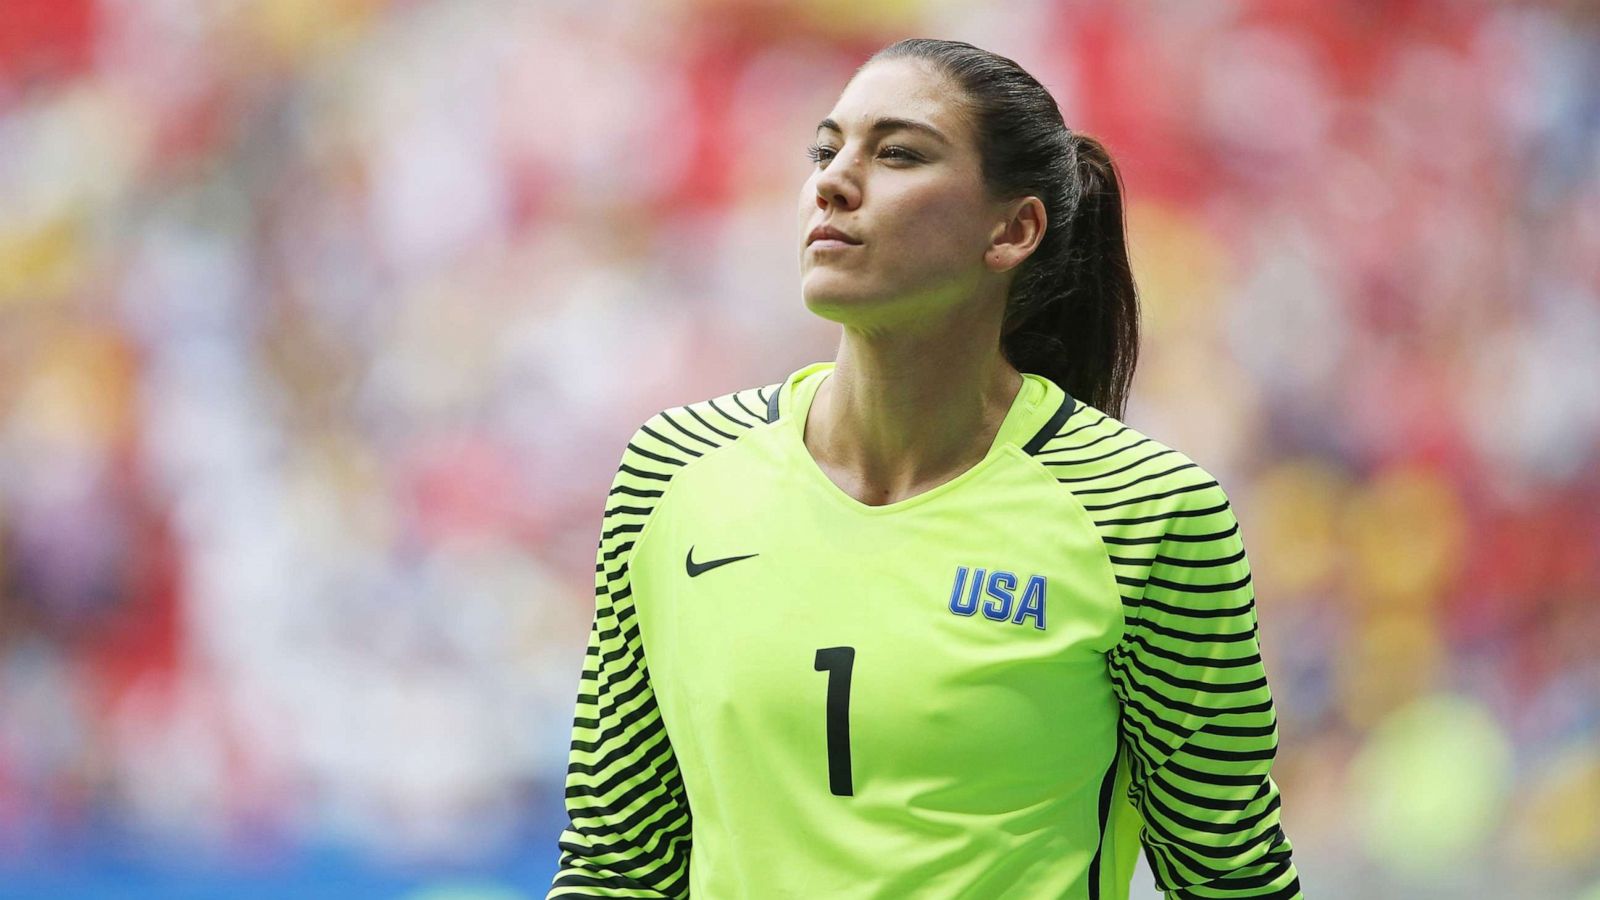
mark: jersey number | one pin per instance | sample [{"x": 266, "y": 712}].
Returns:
[{"x": 837, "y": 661}]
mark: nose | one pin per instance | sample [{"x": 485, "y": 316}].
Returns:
[{"x": 836, "y": 186}]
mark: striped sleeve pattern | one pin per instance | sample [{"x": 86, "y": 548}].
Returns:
[
  {"x": 1198, "y": 728},
  {"x": 629, "y": 828}
]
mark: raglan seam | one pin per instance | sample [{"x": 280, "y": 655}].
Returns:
[
  {"x": 677, "y": 477},
  {"x": 1203, "y": 494},
  {"x": 674, "y": 458},
  {"x": 1108, "y": 569}
]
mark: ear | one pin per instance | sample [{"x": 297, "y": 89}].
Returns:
[{"x": 1017, "y": 235}]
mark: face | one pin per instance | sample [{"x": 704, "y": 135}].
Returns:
[{"x": 913, "y": 198}]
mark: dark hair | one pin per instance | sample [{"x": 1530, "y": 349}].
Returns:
[{"x": 1073, "y": 312}]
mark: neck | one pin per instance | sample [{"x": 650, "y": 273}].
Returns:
[{"x": 900, "y": 415}]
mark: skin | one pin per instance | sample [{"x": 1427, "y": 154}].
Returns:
[{"x": 920, "y": 386}]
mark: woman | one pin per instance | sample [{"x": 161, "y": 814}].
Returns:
[{"x": 928, "y": 620}]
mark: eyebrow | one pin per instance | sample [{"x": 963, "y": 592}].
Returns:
[{"x": 891, "y": 123}]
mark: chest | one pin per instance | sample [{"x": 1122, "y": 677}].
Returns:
[{"x": 902, "y": 648}]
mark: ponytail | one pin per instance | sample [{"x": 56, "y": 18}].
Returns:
[
  {"x": 1073, "y": 312},
  {"x": 1076, "y": 321}
]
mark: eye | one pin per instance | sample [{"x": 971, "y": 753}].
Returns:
[{"x": 820, "y": 154}]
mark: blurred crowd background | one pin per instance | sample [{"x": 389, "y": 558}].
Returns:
[{"x": 323, "y": 324}]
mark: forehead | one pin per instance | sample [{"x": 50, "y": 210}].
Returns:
[{"x": 903, "y": 88}]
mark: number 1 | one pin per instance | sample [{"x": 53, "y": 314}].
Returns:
[{"x": 837, "y": 662}]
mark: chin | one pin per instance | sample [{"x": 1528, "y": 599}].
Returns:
[
  {"x": 845, "y": 301},
  {"x": 839, "y": 310},
  {"x": 826, "y": 290},
  {"x": 832, "y": 308}
]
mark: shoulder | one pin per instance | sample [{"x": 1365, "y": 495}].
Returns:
[
  {"x": 661, "y": 448},
  {"x": 676, "y": 436},
  {"x": 1130, "y": 483}
]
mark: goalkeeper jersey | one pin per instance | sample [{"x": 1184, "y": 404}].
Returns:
[{"x": 998, "y": 688}]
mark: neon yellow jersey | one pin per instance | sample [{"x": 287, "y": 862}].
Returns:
[{"x": 1000, "y": 687}]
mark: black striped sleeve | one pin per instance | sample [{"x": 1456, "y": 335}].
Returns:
[
  {"x": 1198, "y": 724},
  {"x": 628, "y": 831}
]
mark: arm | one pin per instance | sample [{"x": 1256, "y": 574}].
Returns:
[
  {"x": 629, "y": 828},
  {"x": 1197, "y": 717}
]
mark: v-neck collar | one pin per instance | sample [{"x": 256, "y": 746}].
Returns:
[{"x": 1036, "y": 403}]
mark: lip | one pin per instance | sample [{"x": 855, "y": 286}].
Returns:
[
  {"x": 827, "y": 234},
  {"x": 829, "y": 244}
]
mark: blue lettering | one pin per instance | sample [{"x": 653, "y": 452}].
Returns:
[
  {"x": 959, "y": 605},
  {"x": 1032, "y": 603},
  {"x": 1001, "y": 584}
]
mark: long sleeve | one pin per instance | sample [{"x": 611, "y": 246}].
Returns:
[
  {"x": 1198, "y": 726},
  {"x": 629, "y": 828}
]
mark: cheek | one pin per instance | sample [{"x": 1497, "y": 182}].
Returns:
[{"x": 937, "y": 226}]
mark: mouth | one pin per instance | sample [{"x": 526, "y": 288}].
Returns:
[{"x": 825, "y": 234}]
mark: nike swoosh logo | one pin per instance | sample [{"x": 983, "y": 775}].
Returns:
[{"x": 701, "y": 568}]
